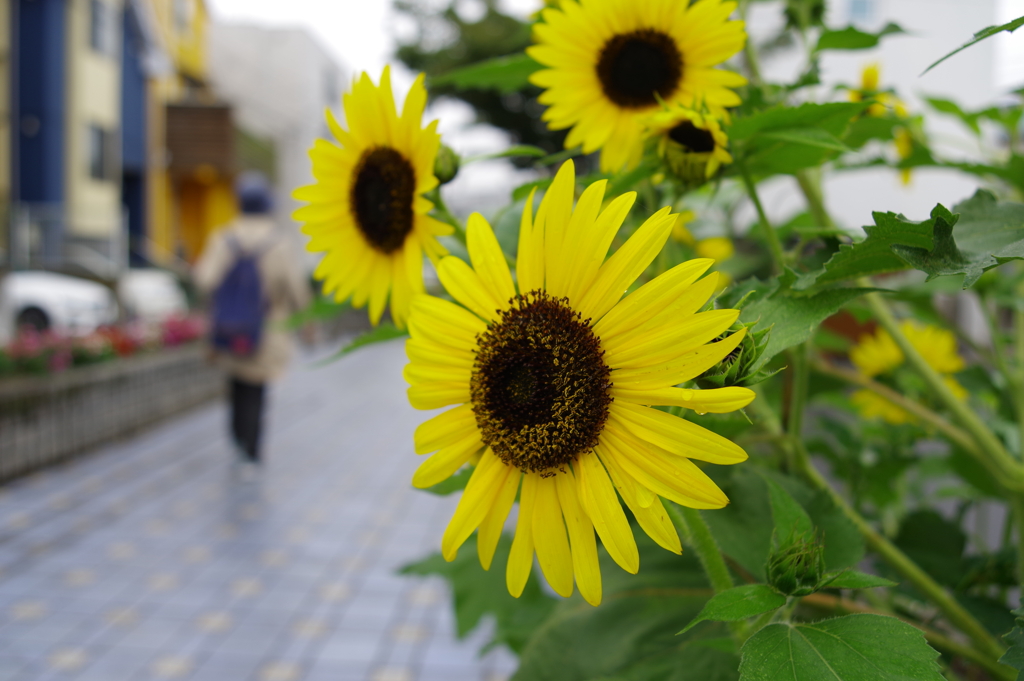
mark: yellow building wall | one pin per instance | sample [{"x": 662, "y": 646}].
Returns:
[
  {"x": 93, "y": 98},
  {"x": 183, "y": 210}
]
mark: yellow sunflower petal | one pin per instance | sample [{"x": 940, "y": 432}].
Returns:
[
  {"x": 444, "y": 429},
  {"x": 477, "y": 499},
  {"x": 444, "y": 321},
  {"x": 651, "y": 298},
  {"x": 549, "y": 537},
  {"x": 530, "y": 256},
  {"x": 685, "y": 368},
  {"x": 673, "y": 477},
  {"x": 652, "y": 517},
  {"x": 676, "y": 435},
  {"x": 443, "y": 464},
  {"x": 437, "y": 395},
  {"x": 626, "y": 264},
  {"x": 713, "y": 401},
  {"x": 520, "y": 558},
  {"x": 488, "y": 260},
  {"x": 581, "y": 539},
  {"x": 601, "y": 504},
  {"x": 490, "y": 529},
  {"x": 466, "y": 287}
]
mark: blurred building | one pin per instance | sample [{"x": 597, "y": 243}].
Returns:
[
  {"x": 114, "y": 148},
  {"x": 279, "y": 81}
]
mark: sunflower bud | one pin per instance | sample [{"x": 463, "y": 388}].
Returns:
[
  {"x": 691, "y": 144},
  {"x": 796, "y": 567},
  {"x": 737, "y": 368},
  {"x": 446, "y": 165}
]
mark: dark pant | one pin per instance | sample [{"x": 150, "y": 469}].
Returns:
[{"x": 247, "y": 416}]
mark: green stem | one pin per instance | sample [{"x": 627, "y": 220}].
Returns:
[
  {"x": 810, "y": 185},
  {"x": 1012, "y": 473},
  {"x": 1018, "y": 345},
  {"x": 749, "y": 53},
  {"x": 774, "y": 245},
  {"x": 892, "y": 555},
  {"x": 912, "y": 407},
  {"x": 442, "y": 212},
  {"x": 1017, "y": 507},
  {"x": 699, "y": 537}
]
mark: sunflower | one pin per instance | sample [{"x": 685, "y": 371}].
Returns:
[
  {"x": 550, "y": 377},
  {"x": 692, "y": 144},
  {"x": 878, "y": 354},
  {"x": 613, "y": 62},
  {"x": 367, "y": 209}
]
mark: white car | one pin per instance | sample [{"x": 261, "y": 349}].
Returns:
[
  {"x": 49, "y": 301},
  {"x": 151, "y": 295}
]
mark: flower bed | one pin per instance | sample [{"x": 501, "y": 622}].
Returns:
[{"x": 74, "y": 394}]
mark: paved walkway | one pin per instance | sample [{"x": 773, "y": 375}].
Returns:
[{"x": 152, "y": 559}]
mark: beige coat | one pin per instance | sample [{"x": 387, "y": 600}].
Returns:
[{"x": 284, "y": 287}]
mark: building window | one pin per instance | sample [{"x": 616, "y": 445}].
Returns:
[
  {"x": 102, "y": 153},
  {"x": 102, "y": 28}
]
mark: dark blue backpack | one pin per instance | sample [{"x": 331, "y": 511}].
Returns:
[{"x": 238, "y": 304}]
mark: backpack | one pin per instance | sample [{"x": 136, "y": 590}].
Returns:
[{"x": 239, "y": 305}]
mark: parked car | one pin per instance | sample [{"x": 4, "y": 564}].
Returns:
[
  {"x": 60, "y": 303},
  {"x": 151, "y": 295}
]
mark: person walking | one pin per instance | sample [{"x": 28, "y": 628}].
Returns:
[{"x": 252, "y": 274}]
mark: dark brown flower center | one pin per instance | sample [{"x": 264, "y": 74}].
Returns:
[
  {"x": 636, "y": 68},
  {"x": 540, "y": 384},
  {"x": 382, "y": 196},
  {"x": 692, "y": 138}
]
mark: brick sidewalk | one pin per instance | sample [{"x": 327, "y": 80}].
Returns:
[{"x": 153, "y": 559}]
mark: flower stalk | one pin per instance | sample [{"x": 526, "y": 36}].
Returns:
[
  {"x": 1011, "y": 471},
  {"x": 770, "y": 236}
]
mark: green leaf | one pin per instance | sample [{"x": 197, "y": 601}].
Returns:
[
  {"x": 518, "y": 150},
  {"x": 1014, "y": 655},
  {"x": 739, "y": 603},
  {"x": 811, "y": 137},
  {"x": 477, "y": 592},
  {"x": 850, "y": 648},
  {"x": 983, "y": 34},
  {"x": 874, "y": 254},
  {"x": 791, "y": 520},
  {"x": 935, "y": 544},
  {"x": 384, "y": 331},
  {"x": 832, "y": 117},
  {"x": 504, "y": 74},
  {"x": 322, "y": 308},
  {"x": 792, "y": 318},
  {"x": 632, "y": 635},
  {"x": 851, "y": 38},
  {"x": 763, "y": 142},
  {"x": 948, "y": 106},
  {"x": 851, "y": 579},
  {"x": 984, "y": 234}
]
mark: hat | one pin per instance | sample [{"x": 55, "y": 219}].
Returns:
[{"x": 253, "y": 192}]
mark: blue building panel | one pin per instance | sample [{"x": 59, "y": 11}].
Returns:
[
  {"x": 40, "y": 89},
  {"x": 133, "y": 94}
]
